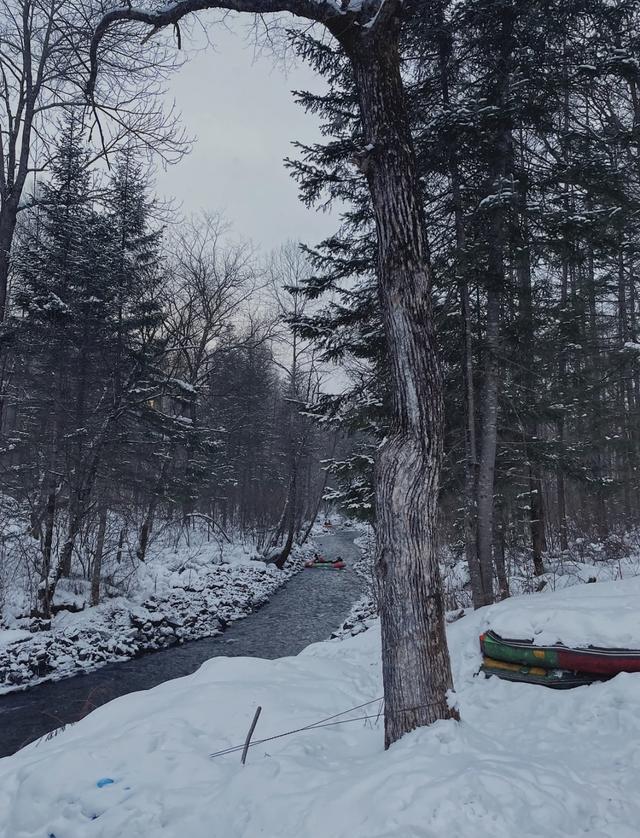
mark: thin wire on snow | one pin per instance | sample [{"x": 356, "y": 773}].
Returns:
[{"x": 329, "y": 721}]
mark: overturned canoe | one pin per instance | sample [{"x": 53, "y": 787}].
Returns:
[
  {"x": 591, "y": 659},
  {"x": 558, "y": 679}
]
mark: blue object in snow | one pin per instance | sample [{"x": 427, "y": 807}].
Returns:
[{"x": 105, "y": 781}]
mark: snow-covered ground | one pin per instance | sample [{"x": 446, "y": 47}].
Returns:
[
  {"x": 605, "y": 615},
  {"x": 183, "y": 592},
  {"x": 524, "y": 761}
]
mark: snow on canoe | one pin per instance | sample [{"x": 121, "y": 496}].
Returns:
[{"x": 604, "y": 615}]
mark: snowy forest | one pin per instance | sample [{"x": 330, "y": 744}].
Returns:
[
  {"x": 448, "y": 386},
  {"x": 145, "y": 369},
  {"x": 140, "y": 390},
  {"x": 525, "y": 119}
]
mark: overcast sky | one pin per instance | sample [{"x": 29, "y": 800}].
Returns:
[{"x": 242, "y": 113}]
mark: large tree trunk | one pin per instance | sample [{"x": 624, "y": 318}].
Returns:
[
  {"x": 600, "y": 511},
  {"x": 415, "y": 658},
  {"x": 562, "y": 377},
  {"x": 480, "y": 575},
  {"x": 568, "y": 257},
  {"x": 8, "y": 216},
  {"x": 416, "y": 668},
  {"x": 498, "y": 67}
]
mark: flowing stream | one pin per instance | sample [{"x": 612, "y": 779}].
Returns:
[{"x": 307, "y": 609}]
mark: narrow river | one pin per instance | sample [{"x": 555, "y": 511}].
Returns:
[{"x": 307, "y": 609}]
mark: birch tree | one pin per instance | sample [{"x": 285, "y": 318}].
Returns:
[{"x": 416, "y": 668}]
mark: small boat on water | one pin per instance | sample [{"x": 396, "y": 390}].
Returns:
[{"x": 326, "y": 564}]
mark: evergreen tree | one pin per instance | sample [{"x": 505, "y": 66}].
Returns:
[
  {"x": 84, "y": 338},
  {"x": 525, "y": 123}
]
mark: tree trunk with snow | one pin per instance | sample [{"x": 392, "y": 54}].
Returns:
[
  {"x": 289, "y": 517},
  {"x": 44, "y": 590},
  {"x": 415, "y": 660}
]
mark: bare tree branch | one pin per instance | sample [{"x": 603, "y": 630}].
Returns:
[{"x": 338, "y": 15}]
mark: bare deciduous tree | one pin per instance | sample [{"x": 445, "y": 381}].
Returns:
[
  {"x": 302, "y": 380},
  {"x": 43, "y": 61},
  {"x": 212, "y": 279}
]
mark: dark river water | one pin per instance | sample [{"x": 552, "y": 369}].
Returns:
[{"x": 311, "y": 605}]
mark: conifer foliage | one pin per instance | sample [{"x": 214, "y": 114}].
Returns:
[{"x": 525, "y": 120}]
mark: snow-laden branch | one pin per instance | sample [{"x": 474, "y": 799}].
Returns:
[{"x": 336, "y": 14}]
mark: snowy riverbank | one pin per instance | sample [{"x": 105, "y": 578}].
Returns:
[
  {"x": 184, "y": 593},
  {"x": 524, "y": 761}
]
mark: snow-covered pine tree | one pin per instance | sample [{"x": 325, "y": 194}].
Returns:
[{"x": 87, "y": 361}]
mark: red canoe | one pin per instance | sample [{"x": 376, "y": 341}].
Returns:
[{"x": 590, "y": 659}]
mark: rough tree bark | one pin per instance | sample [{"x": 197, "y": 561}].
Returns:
[
  {"x": 8, "y": 220},
  {"x": 415, "y": 661}
]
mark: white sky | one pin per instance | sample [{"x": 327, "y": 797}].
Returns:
[{"x": 241, "y": 110}]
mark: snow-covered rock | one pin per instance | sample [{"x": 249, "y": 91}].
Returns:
[{"x": 182, "y": 594}]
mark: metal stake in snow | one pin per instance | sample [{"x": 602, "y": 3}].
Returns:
[{"x": 250, "y": 734}]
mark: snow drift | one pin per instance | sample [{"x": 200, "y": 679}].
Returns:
[{"x": 524, "y": 761}]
